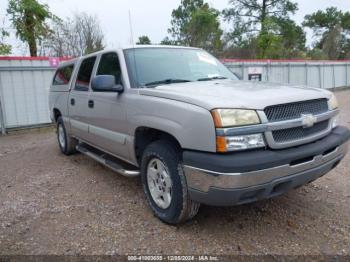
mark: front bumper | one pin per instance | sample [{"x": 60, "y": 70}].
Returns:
[{"x": 238, "y": 178}]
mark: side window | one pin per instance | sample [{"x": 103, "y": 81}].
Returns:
[
  {"x": 63, "y": 75},
  {"x": 109, "y": 65},
  {"x": 84, "y": 75}
]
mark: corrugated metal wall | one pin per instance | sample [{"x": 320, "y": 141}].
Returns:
[
  {"x": 322, "y": 74},
  {"x": 24, "y": 86},
  {"x": 25, "y": 82}
]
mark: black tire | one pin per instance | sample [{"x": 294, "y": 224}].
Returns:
[
  {"x": 181, "y": 207},
  {"x": 70, "y": 143}
]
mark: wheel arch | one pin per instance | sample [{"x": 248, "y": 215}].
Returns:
[
  {"x": 56, "y": 114},
  {"x": 146, "y": 135}
]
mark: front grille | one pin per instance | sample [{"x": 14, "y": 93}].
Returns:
[
  {"x": 299, "y": 133},
  {"x": 295, "y": 110}
]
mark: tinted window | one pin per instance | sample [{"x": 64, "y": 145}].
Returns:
[
  {"x": 84, "y": 75},
  {"x": 63, "y": 75},
  {"x": 109, "y": 65}
]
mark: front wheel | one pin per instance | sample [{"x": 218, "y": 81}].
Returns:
[{"x": 164, "y": 183}]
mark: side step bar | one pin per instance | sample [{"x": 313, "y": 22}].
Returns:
[{"x": 107, "y": 160}]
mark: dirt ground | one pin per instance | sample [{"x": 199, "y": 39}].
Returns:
[{"x": 54, "y": 204}]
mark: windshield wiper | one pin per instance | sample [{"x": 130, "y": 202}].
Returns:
[
  {"x": 167, "y": 82},
  {"x": 211, "y": 78}
]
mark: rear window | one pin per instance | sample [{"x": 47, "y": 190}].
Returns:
[{"x": 63, "y": 75}]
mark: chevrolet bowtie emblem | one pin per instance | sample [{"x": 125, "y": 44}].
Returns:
[{"x": 308, "y": 120}]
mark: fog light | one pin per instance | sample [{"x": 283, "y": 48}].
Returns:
[
  {"x": 335, "y": 121},
  {"x": 244, "y": 142}
]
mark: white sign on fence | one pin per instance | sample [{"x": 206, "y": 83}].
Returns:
[{"x": 255, "y": 70}]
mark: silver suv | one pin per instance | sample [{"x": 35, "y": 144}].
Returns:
[{"x": 194, "y": 133}]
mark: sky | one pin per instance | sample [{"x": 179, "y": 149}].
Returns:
[{"x": 149, "y": 17}]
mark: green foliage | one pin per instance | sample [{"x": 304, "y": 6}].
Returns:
[
  {"x": 323, "y": 20},
  {"x": 5, "y": 49},
  {"x": 293, "y": 35},
  {"x": 248, "y": 49},
  {"x": 282, "y": 38},
  {"x": 181, "y": 17},
  {"x": 317, "y": 54},
  {"x": 249, "y": 16},
  {"x": 144, "y": 40},
  {"x": 269, "y": 41},
  {"x": 332, "y": 28},
  {"x": 204, "y": 29},
  {"x": 168, "y": 41},
  {"x": 29, "y": 18},
  {"x": 267, "y": 21},
  {"x": 195, "y": 23}
]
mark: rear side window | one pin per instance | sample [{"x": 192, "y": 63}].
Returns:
[
  {"x": 109, "y": 65},
  {"x": 84, "y": 75},
  {"x": 63, "y": 75}
]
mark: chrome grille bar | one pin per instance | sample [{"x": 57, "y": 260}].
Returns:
[{"x": 295, "y": 110}]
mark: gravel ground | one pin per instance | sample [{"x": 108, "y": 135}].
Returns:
[{"x": 54, "y": 204}]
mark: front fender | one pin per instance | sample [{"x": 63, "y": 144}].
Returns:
[{"x": 191, "y": 125}]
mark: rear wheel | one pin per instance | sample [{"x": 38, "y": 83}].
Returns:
[
  {"x": 66, "y": 143},
  {"x": 164, "y": 183}
]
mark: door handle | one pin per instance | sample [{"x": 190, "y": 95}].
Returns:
[
  {"x": 91, "y": 103},
  {"x": 72, "y": 101}
]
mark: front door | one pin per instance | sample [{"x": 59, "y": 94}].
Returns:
[{"x": 107, "y": 119}]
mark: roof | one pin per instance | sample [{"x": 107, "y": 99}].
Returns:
[{"x": 126, "y": 47}]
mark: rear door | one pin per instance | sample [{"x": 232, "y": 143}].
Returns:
[
  {"x": 78, "y": 103},
  {"x": 107, "y": 118}
]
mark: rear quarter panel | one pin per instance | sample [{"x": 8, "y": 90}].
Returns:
[{"x": 59, "y": 95}]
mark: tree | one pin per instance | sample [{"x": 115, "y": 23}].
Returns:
[
  {"x": 5, "y": 49},
  {"x": 90, "y": 33},
  {"x": 270, "y": 42},
  {"x": 293, "y": 38},
  {"x": 76, "y": 36},
  {"x": 268, "y": 20},
  {"x": 29, "y": 18},
  {"x": 246, "y": 50},
  {"x": 181, "y": 18},
  {"x": 332, "y": 30},
  {"x": 167, "y": 41},
  {"x": 144, "y": 40},
  {"x": 282, "y": 38},
  {"x": 249, "y": 16},
  {"x": 195, "y": 23},
  {"x": 317, "y": 54}
]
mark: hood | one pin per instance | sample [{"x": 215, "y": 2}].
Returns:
[{"x": 235, "y": 94}]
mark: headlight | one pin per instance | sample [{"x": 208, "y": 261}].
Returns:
[
  {"x": 233, "y": 143},
  {"x": 333, "y": 102},
  {"x": 234, "y": 117}
]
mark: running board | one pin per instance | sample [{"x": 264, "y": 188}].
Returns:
[{"x": 107, "y": 160}]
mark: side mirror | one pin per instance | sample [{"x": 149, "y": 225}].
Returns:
[{"x": 106, "y": 83}]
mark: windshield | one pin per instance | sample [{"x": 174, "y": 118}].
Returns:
[{"x": 155, "y": 66}]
